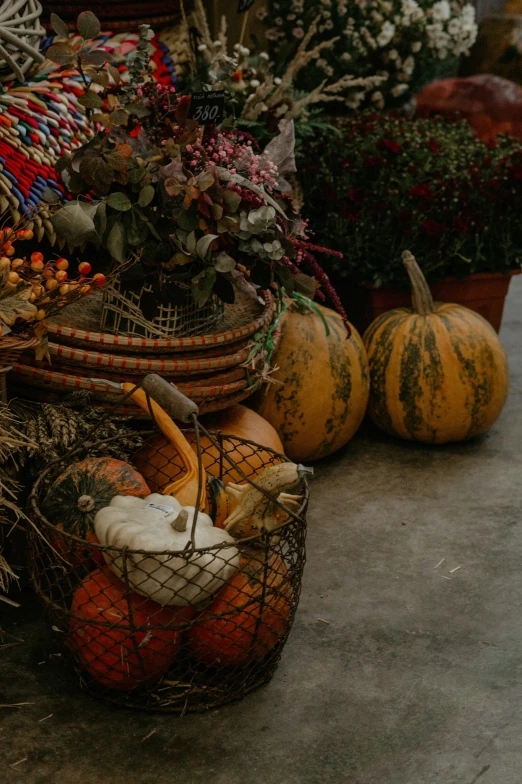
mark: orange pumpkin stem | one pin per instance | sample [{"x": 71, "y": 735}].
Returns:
[{"x": 421, "y": 298}]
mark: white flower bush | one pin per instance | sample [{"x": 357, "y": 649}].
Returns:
[{"x": 406, "y": 42}]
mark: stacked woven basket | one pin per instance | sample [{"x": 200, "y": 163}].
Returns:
[{"x": 211, "y": 369}]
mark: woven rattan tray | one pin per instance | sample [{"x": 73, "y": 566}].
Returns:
[
  {"x": 206, "y": 405},
  {"x": 78, "y": 325},
  {"x": 221, "y": 384},
  {"x": 141, "y": 365}
]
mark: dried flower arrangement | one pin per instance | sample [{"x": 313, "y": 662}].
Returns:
[
  {"x": 180, "y": 205},
  {"x": 406, "y": 42},
  {"x": 256, "y": 97},
  {"x": 426, "y": 184}
]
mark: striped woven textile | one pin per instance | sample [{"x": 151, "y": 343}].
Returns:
[{"x": 41, "y": 120}]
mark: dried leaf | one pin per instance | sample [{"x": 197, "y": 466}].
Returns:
[
  {"x": 95, "y": 57},
  {"x": 15, "y": 307},
  {"x": 114, "y": 74},
  {"x": 96, "y": 172},
  {"x": 116, "y": 161},
  {"x": 173, "y": 187},
  {"x": 119, "y": 117},
  {"x": 281, "y": 150},
  {"x": 59, "y": 26},
  {"x": 62, "y": 54},
  {"x": 88, "y": 25},
  {"x": 99, "y": 77},
  {"x": 90, "y": 100}
]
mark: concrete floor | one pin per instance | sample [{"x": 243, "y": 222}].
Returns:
[{"x": 414, "y": 680}]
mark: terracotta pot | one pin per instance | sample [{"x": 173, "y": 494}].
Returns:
[{"x": 483, "y": 292}]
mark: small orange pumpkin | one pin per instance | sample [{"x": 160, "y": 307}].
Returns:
[
  {"x": 241, "y": 625},
  {"x": 123, "y": 640}
]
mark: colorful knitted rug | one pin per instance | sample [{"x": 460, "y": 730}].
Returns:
[{"x": 41, "y": 120}]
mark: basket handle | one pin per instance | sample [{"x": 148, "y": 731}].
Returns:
[{"x": 168, "y": 396}]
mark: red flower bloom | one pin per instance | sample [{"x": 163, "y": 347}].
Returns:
[
  {"x": 356, "y": 194},
  {"x": 135, "y": 131},
  {"x": 390, "y": 145},
  {"x": 433, "y": 229},
  {"x": 421, "y": 191},
  {"x": 372, "y": 162},
  {"x": 434, "y": 146}
]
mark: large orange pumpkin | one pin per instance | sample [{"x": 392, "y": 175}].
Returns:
[
  {"x": 438, "y": 370},
  {"x": 123, "y": 640},
  {"x": 240, "y": 625},
  {"x": 159, "y": 461},
  {"x": 320, "y": 391}
]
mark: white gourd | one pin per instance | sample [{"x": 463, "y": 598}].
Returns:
[{"x": 156, "y": 524}]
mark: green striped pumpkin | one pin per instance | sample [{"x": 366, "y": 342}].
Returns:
[
  {"x": 438, "y": 372},
  {"x": 319, "y": 390}
]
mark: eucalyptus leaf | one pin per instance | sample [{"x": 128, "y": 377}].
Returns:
[
  {"x": 202, "y": 286},
  {"x": 59, "y": 26},
  {"x": 224, "y": 263},
  {"x": 100, "y": 218},
  {"x": 204, "y": 243},
  {"x": 88, "y": 25},
  {"x": 227, "y": 176},
  {"x": 191, "y": 242},
  {"x": 119, "y": 201},
  {"x": 146, "y": 195},
  {"x": 116, "y": 244},
  {"x": 232, "y": 200}
]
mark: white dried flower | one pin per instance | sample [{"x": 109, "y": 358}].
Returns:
[
  {"x": 399, "y": 89},
  {"x": 416, "y": 46},
  {"x": 441, "y": 11},
  {"x": 386, "y": 34},
  {"x": 254, "y": 83},
  {"x": 264, "y": 56}
]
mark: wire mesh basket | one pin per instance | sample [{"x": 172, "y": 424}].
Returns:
[
  {"x": 186, "y": 627},
  {"x": 122, "y": 313}
]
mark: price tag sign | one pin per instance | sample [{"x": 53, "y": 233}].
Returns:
[
  {"x": 244, "y": 5},
  {"x": 207, "y": 108}
]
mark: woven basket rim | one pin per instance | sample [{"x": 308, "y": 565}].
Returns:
[{"x": 118, "y": 343}]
